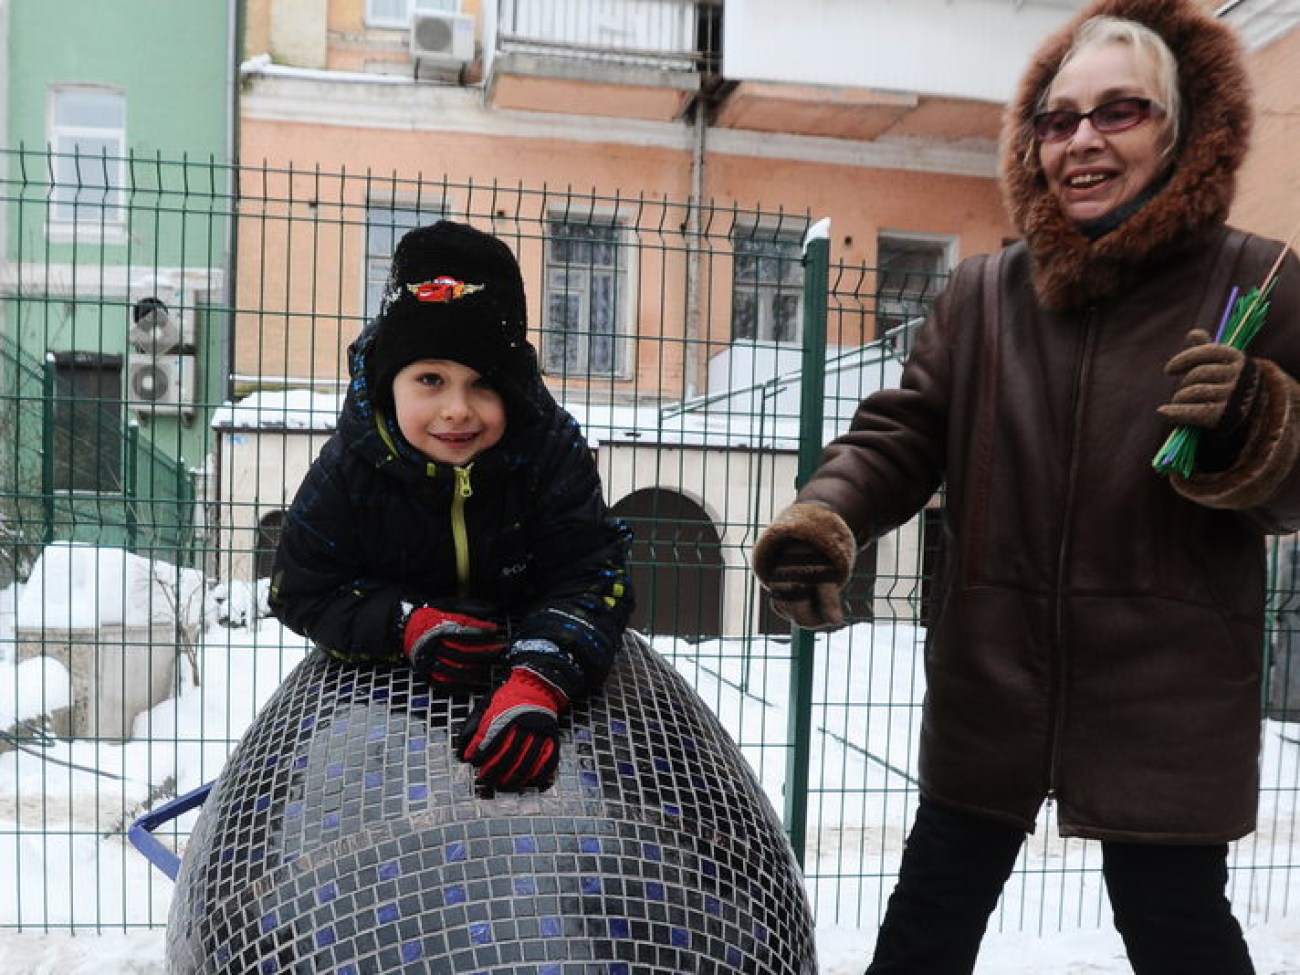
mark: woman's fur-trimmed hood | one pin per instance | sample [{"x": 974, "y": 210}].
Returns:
[{"x": 1071, "y": 270}]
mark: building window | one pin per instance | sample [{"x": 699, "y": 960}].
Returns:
[
  {"x": 586, "y": 298},
  {"x": 397, "y": 13},
  {"x": 767, "y": 286},
  {"x": 911, "y": 271},
  {"x": 88, "y": 140},
  {"x": 87, "y": 422},
  {"x": 385, "y": 224}
]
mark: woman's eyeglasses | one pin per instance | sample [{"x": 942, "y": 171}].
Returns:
[{"x": 1113, "y": 116}]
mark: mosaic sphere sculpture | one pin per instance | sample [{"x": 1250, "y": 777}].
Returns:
[{"x": 344, "y": 836}]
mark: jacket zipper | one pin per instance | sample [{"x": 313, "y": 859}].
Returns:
[
  {"x": 1060, "y": 643},
  {"x": 459, "y": 534}
]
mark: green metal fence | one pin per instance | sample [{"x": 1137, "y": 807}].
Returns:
[{"x": 173, "y": 357}]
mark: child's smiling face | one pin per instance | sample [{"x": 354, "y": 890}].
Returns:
[{"x": 447, "y": 411}]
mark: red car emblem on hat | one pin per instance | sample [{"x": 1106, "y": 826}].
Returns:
[{"x": 442, "y": 289}]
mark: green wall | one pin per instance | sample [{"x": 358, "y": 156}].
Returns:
[
  {"x": 170, "y": 56},
  {"x": 173, "y": 62}
]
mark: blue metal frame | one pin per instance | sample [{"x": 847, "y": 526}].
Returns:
[{"x": 141, "y": 832}]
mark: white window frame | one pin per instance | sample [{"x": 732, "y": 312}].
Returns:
[
  {"x": 768, "y": 291},
  {"x": 561, "y": 279},
  {"x": 893, "y": 312},
  {"x": 381, "y": 237},
  {"x": 96, "y": 211},
  {"x": 396, "y": 14}
]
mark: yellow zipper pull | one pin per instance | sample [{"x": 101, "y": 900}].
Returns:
[
  {"x": 463, "y": 487},
  {"x": 459, "y": 534}
]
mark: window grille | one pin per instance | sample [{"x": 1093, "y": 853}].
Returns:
[
  {"x": 767, "y": 287},
  {"x": 586, "y": 287}
]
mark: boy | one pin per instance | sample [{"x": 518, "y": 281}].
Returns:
[{"x": 455, "y": 519}]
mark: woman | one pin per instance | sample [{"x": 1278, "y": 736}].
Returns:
[{"x": 1098, "y": 638}]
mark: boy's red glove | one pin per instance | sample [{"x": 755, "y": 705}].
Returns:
[
  {"x": 452, "y": 647},
  {"x": 512, "y": 736}
]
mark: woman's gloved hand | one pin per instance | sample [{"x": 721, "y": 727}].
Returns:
[
  {"x": 804, "y": 560},
  {"x": 1216, "y": 388}
]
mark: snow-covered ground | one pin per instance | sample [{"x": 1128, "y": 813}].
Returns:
[
  {"x": 1275, "y": 947},
  {"x": 64, "y": 804}
]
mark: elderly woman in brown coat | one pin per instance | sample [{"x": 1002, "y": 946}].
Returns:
[{"x": 1098, "y": 638}]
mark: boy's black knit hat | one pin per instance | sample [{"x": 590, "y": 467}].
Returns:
[{"x": 455, "y": 293}]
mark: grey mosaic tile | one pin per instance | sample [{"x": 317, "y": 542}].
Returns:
[{"x": 344, "y": 837}]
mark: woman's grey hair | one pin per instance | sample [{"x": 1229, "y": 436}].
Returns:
[{"x": 1100, "y": 31}]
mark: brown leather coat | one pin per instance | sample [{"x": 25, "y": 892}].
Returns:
[{"x": 1100, "y": 630}]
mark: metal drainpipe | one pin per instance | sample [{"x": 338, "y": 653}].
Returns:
[
  {"x": 4, "y": 128},
  {"x": 691, "y": 366},
  {"x": 237, "y": 14}
]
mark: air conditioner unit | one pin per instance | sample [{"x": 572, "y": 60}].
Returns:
[
  {"x": 439, "y": 37},
  {"x": 159, "y": 322},
  {"x": 160, "y": 384}
]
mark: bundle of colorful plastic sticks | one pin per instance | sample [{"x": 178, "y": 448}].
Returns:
[{"x": 1242, "y": 317}]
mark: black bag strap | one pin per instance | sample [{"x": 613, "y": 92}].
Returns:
[{"x": 1222, "y": 268}]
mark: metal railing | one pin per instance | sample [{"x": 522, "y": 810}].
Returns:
[
  {"x": 105, "y": 715},
  {"x": 680, "y": 35}
]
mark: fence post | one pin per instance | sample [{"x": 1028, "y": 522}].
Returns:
[
  {"x": 130, "y": 487},
  {"x": 47, "y": 449},
  {"x": 812, "y": 398}
]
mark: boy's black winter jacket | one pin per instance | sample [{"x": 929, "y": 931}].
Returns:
[{"x": 372, "y": 532}]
